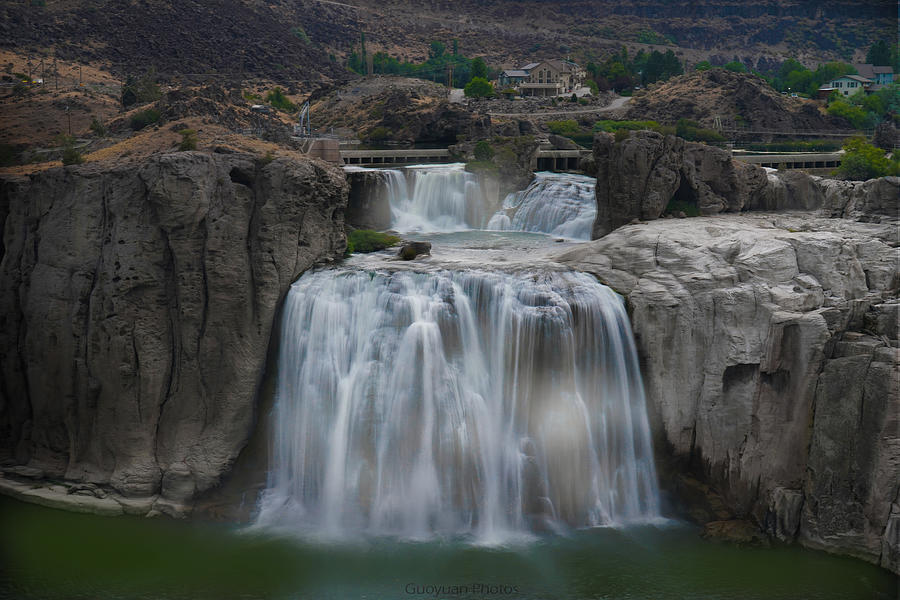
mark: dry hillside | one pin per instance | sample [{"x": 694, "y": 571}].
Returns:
[{"x": 740, "y": 100}]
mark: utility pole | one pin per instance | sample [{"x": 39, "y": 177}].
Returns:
[
  {"x": 450, "y": 76},
  {"x": 56, "y": 72}
]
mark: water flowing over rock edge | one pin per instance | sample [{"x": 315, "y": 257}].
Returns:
[{"x": 457, "y": 402}]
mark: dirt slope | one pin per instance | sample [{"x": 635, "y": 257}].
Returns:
[{"x": 740, "y": 100}]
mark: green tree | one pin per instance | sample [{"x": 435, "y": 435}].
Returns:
[
  {"x": 879, "y": 54},
  {"x": 856, "y": 115},
  {"x": 478, "y": 88},
  {"x": 703, "y": 65},
  {"x": 736, "y": 66},
  {"x": 862, "y": 161},
  {"x": 483, "y": 151},
  {"x": 436, "y": 50},
  {"x": 479, "y": 68}
]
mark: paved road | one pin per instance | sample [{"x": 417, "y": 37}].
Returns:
[
  {"x": 619, "y": 102},
  {"x": 616, "y": 104}
]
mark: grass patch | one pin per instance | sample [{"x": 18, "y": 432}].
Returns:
[
  {"x": 614, "y": 126},
  {"x": 569, "y": 126},
  {"x": 366, "y": 240},
  {"x": 481, "y": 166},
  {"x": 688, "y": 208}
]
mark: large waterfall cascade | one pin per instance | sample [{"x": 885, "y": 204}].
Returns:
[
  {"x": 483, "y": 392},
  {"x": 560, "y": 204},
  {"x": 470, "y": 402}
]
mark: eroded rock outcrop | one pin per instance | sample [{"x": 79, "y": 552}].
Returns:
[
  {"x": 770, "y": 350},
  {"x": 369, "y": 205},
  {"x": 136, "y": 307},
  {"x": 639, "y": 176}
]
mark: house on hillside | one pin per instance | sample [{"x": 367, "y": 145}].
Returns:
[
  {"x": 846, "y": 85},
  {"x": 511, "y": 78},
  {"x": 553, "y": 77},
  {"x": 869, "y": 79},
  {"x": 882, "y": 76}
]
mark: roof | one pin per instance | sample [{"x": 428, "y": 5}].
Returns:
[
  {"x": 515, "y": 73},
  {"x": 529, "y": 66},
  {"x": 869, "y": 71},
  {"x": 865, "y": 70},
  {"x": 854, "y": 78}
]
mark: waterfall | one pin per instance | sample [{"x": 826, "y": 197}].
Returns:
[
  {"x": 472, "y": 403},
  {"x": 443, "y": 198},
  {"x": 556, "y": 203}
]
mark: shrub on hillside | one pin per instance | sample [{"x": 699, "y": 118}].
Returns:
[
  {"x": 188, "y": 140},
  {"x": 144, "y": 118},
  {"x": 567, "y": 127},
  {"x": 864, "y": 161},
  {"x": 70, "y": 155},
  {"x": 483, "y": 151},
  {"x": 278, "y": 100},
  {"x": 856, "y": 115},
  {"x": 613, "y": 126}
]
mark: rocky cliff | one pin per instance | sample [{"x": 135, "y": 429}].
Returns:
[
  {"x": 771, "y": 355},
  {"x": 648, "y": 175},
  {"x": 639, "y": 176},
  {"x": 136, "y": 306}
]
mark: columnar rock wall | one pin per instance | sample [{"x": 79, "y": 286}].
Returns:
[
  {"x": 772, "y": 361},
  {"x": 136, "y": 306}
]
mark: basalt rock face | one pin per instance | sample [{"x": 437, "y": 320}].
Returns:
[
  {"x": 873, "y": 201},
  {"x": 136, "y": 308},
  {"x": 639, "y": 176},
  {"x": 369, "y": 206},
  {"x": 770, "y": 351}
]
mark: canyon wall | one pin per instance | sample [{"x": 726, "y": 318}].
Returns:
[
  {"x": 770, "y": 342},
  {"x": 136, "y": 307}
]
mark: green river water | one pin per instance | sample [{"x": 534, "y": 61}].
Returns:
[{"x": 50, "y": 554}]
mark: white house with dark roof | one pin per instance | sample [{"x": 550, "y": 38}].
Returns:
[
  {"x": 846, "y": 85},
  {"x": 546, "y": 78}
]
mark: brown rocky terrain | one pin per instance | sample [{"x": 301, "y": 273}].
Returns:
[
  {"x": 221, "y": 39},
  {"x": 740, "y": 100},
  {"x": 395, "y": 108},
  {"x": 239, "y": 38}
]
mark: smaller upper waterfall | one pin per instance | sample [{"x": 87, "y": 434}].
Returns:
[
  {"x": 436, "y": 198},
  {"x": 560, "y": 204}
]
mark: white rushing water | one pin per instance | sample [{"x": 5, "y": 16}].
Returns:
[
  {"x": 477, "y": 403},
  {"x": 560, "y": 204},
  {"x": 435, "y": 198}
]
